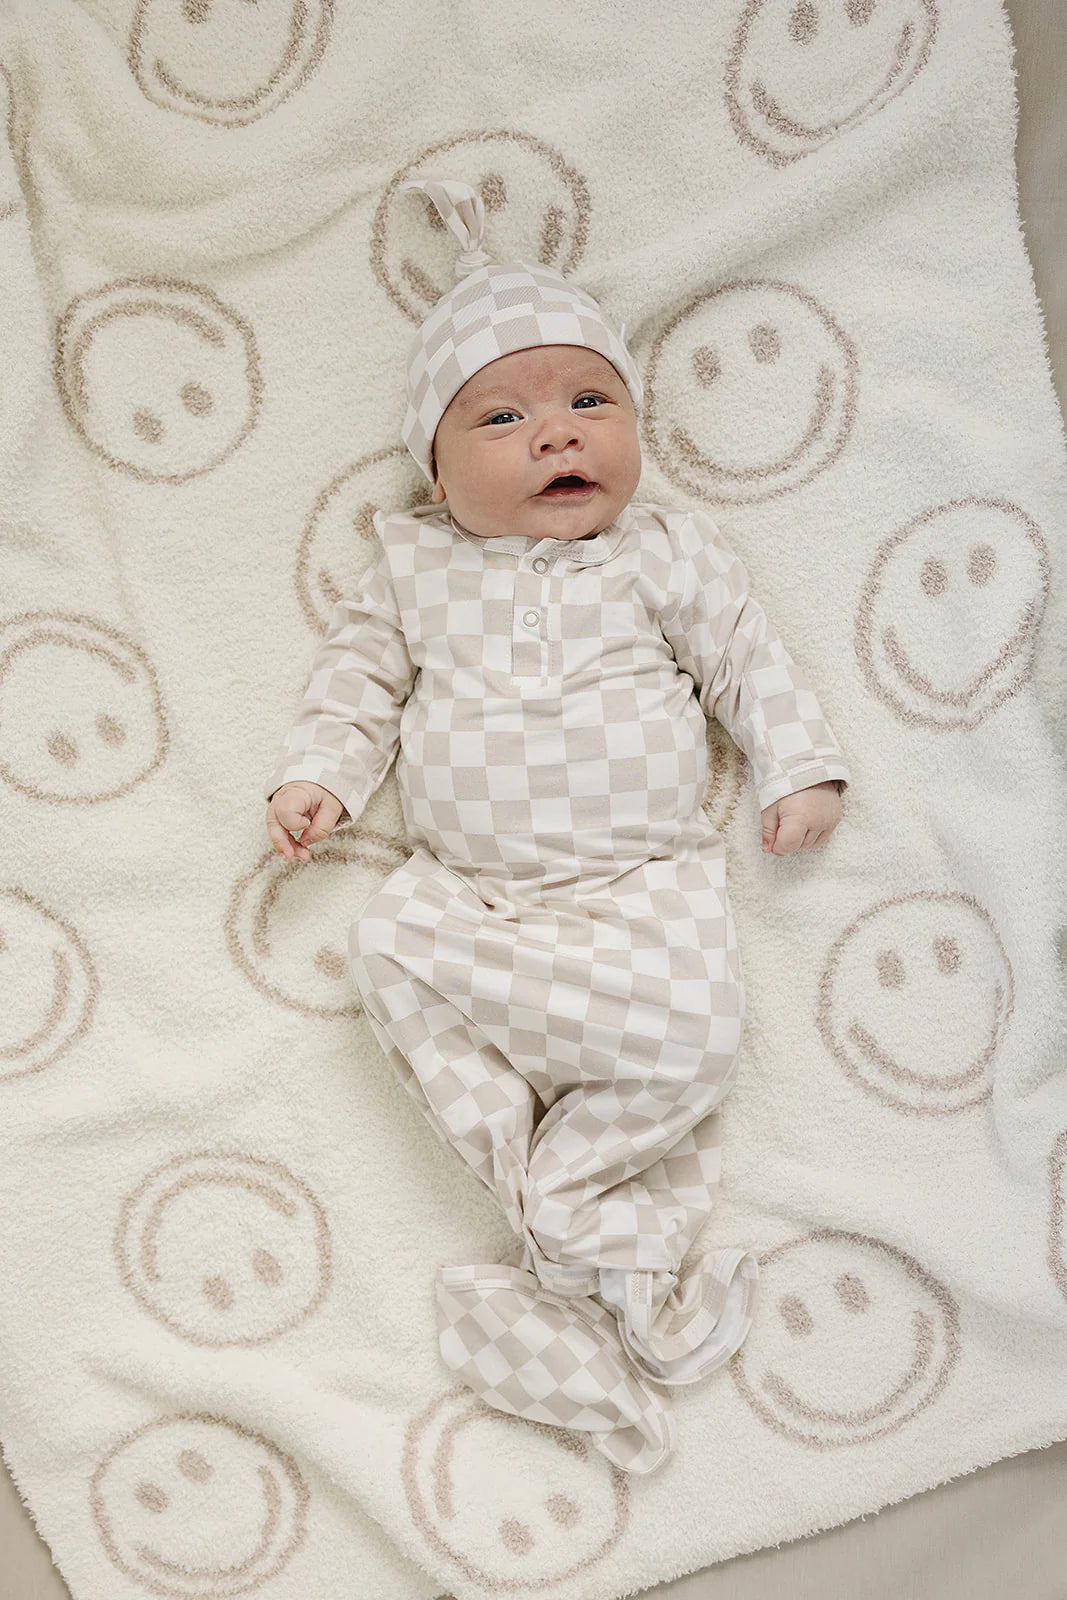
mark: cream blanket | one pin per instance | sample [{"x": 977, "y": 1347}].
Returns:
[{"x": 222, "y": 1214}]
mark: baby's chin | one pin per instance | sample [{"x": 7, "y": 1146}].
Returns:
[
  {"x": 565, "y": 535},
  {"x": 529, "y": 527},
  {"x": 570, "y": 524}
]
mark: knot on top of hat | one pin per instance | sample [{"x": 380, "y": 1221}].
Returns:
[
  {"x": 467, "y": 260},
  {"x": 460, "y": 207}
]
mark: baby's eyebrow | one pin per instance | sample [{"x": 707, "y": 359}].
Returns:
[{"x": 484, "y": 397}]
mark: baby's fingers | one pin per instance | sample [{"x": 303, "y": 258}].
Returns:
[
  {"x": 323, "y": 819},
  {"x": 283, "y": 840},
  {"x": 790, "y": 835},
  {"x": 314, "y": 825}
]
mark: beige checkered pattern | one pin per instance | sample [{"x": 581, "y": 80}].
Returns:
[
  {"x": 554, "y": 973},
  {"x": 552, "y": 1360},
  {"x": 496, "y": 308}
]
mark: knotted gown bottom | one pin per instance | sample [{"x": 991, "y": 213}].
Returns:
[{"x": 574, "y": 1047}]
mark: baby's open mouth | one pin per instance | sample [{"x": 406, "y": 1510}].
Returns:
[{"x": 567, "y": 488}]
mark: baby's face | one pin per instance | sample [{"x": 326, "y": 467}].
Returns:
[{"x": 529, "y": 417}]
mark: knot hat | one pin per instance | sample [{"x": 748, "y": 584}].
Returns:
[{"x": 496, "y": 307}]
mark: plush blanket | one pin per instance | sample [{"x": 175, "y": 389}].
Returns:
[{"x": 222, "y": 1215}]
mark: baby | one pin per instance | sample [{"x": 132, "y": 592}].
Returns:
[
  {"x": 554, "y": 972},
  {"x": 505, "y": 471}
]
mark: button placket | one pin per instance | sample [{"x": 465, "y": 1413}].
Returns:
[{"x": 532, "y": 649}]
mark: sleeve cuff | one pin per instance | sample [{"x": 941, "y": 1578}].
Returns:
[
  {"x": 342, "y": 787},
  {"x": 781, "y": 784}
]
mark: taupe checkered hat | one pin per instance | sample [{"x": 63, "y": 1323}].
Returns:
[{"x": 495, "y": 308}]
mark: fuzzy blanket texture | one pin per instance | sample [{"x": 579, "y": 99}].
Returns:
[{"x": 222, "y": 1215}]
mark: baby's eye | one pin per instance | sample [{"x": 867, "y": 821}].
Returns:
[{"x": 598, "y": 399}]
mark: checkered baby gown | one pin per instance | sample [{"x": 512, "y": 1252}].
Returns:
[{"x": 554, "y": 972}]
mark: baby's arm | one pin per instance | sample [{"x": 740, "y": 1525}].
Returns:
[
  {"x": 745, "y": 677},
  {"x": 346, "y": 730}
]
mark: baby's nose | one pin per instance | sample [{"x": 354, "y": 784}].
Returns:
[{"x": 563, "y": 427}]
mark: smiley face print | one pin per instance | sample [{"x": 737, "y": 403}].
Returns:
[
  {"x": 949, "y": 612},
  {"x": 48, "y": 981},
  {"x": 227, "y": 62},
  {"x": 802, "y": 72},
  {"x": 855, "y": 1338},
  {"x": 224, "y": 1249},
  {"x": 728, "y": 772},
  {"x": 160, "y": 379},
  {"x": 194, "y": 1507},
  {"x": 1057, "y": 1244},
  {"x": 536, "y": 209},
  {"x": 750, "y": 391},
  {"x": 287, "y": 924},
  {"x": 914, "y": 1000},
  {"x": 339, "y": 538},
  {"x": 553, "y": 1509},
  {"x": 11, "y": 200},
  {"x": 81, "y": 718}
]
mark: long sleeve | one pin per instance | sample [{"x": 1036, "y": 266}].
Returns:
[
  {"x": 346, "y": 729},
  {"x": 742, "y": 672}
]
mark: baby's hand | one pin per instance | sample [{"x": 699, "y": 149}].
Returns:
[
  {"x": 802, "y": 820},
  {"x": 301, "y": 805}
]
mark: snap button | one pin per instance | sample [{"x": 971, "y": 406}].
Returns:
[
  {"x": 530, "y": 619},
  {"x": 540, "y": 565}
]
